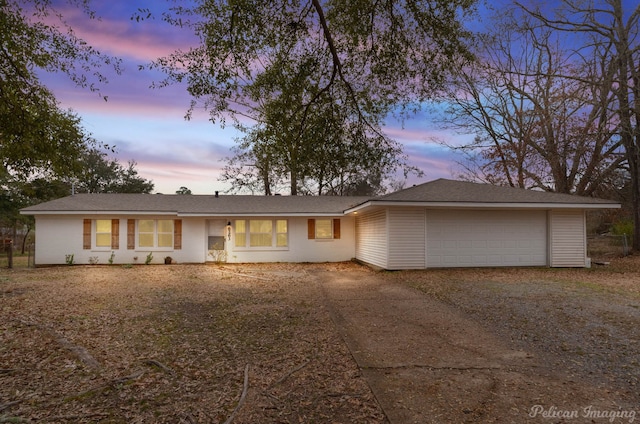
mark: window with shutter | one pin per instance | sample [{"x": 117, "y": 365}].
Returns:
[{"x": 323, "y": 229}]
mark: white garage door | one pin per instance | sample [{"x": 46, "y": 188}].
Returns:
[{"x": 486, "y": 238}]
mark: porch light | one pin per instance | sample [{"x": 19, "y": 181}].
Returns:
[{"x": 229, "y": 230}]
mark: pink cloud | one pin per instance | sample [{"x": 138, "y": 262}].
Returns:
[{"x": 120, "y": 36}]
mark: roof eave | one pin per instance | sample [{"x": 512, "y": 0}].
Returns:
[
  {"x": 269, "y": 214},
  {"x": 183, "y": 214},
  {"x": 484, "y": 205},
  {"x": 105, "y": 212}
]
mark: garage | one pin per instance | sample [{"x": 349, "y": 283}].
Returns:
[
  {"x": 445, "y": 223},
  {"x": 467, "y": 238}
]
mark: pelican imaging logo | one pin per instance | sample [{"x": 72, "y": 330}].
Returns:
[{"x": 589, "y": 412}]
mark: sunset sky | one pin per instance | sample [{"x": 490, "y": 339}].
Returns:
[{"x": 147, "y": 125}]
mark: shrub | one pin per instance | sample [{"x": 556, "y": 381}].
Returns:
[
  {"x": 149, "y": 258},
  {"x": 622, "y": 227}
]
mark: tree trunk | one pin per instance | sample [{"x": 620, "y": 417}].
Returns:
[{"x": 24, "y": 239}]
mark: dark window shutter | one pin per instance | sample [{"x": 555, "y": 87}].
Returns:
[
  {"x": 336, "y": 228},
  {"x": 311, "y": 229},
  {"x": 131, "y": 234},
  {"x": 177, "y": 234},
  {"x": 115, "y": 234},
  {"x": 86, "y": 234}
]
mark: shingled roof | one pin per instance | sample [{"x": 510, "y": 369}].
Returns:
[
  {"x": 440, "y": 192},
  {"x": 444, "y": 190},
  {"x": 450, "y": 193},
  {"x": 197, "y": 204}
]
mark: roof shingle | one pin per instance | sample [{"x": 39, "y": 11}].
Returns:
[
  {"x": 450, "y": 191},
  {"x": 438, "y": 191}
]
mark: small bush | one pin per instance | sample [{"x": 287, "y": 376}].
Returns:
[
  {"x": 149, "y": 258},
  {"x": 93, "y": 260},
  {"x": 112, "y": 257},
  {"x": 622, "y": 227},
  {"x": 69, "y": 259}
]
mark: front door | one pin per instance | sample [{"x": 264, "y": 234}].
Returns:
[{"x": 216, "y": 241}]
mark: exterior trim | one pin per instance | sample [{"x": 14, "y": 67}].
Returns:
[{"x": 480, "y": 205}]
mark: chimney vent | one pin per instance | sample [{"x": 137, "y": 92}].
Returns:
[{"x": 216, "y": 193}]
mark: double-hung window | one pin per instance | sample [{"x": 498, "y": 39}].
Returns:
[
  {"x": 100, "y": 234},
  {"x": 155, "y": 233},
  {"x": 103, "y": 233},
  {"x": 323, "y": 229},
  {"x": 261, "y": 233}
]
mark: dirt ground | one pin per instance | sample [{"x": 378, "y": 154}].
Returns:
[{"x": 262, "y": 343}]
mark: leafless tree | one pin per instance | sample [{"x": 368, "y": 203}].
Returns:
[
  {"x": 538, "y": 119},
  {"x": 609, "y": 30}
]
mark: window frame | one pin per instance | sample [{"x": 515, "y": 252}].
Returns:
[
  {"x": 156, "y": 235},
  {"x": 312, "y": 233},
  {"x": 329, "y": 235},
  {"x": 95, "y": 244},
  {"x": 90, "y": 234},
  {"x": 276, "y": 237}
]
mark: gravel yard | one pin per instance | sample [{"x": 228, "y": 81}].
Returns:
[
  {"x": 256, "y": 343},
  {"x": 583, "y": 321}
]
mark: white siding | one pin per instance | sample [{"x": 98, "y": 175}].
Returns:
[
  {"x": 371, "y": 243},
  {"x": 568, "y": 239},
  {"x": 59, "y": 236},
  {"x": 406, "y": 238},
  {"x": 457, "y": 238},
  {"x": 300, "y": 248}
]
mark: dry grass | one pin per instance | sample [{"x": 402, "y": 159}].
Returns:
[{"x": 170, "y": 344}]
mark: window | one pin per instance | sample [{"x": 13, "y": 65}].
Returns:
[
  {"x": 256, "y": 233},
  {"x": 281, "y": 233},
  {"x": 241, "y": 233},
  {"x": 165, "y": 233},
  {"x": 146, "y": 229},
  {"x": 103, "y": 233},
  {"x": 100, "y": 234},
  {"x": 155, "y": 233},
  {"x": 323, "y": 229},
  {"x": 260, "y": 233}
]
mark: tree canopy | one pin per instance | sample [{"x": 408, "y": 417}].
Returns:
[
  {"x": 386, "y": 54},
  {"x": 101, "y": 174},
  {"x": 36, "y": 135},
  {"x": 310, "y": 74}
]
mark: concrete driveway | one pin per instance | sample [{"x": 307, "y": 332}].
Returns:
[{"x": 427, "y": 362}]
